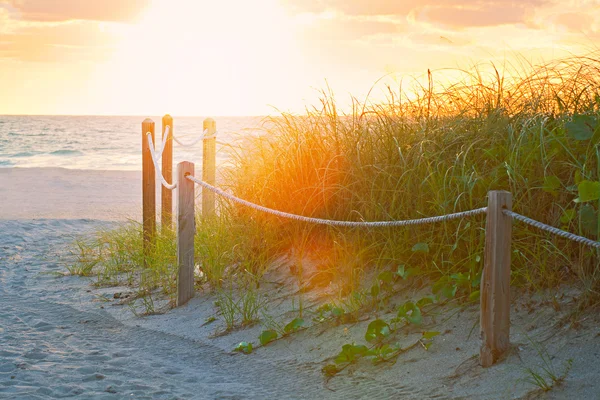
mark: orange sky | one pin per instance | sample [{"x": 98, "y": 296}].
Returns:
[{"x": 240, "y": 57}]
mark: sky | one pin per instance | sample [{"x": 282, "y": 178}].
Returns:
[{"x": 259, "y": 57}]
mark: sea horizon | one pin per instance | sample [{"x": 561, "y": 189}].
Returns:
[{"x": 97, "y": 142}]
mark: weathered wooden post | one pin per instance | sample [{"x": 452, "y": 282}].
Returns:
[
  {"x": 208, "y": 166},
  {"x": 166, "y": 213},
  {"x": 148, "y": 188},
  {"x": 495, "y": 280},
  {"x": 186, "y": 228}
]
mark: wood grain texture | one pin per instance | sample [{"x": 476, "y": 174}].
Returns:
[
  {"x": 148, "y": 188},
  {"x": 186, "y": 229},
  {"x": 209, "y": 167},
  {"x": 166, "y": 213},
  {"x": 495, "y": 280}
]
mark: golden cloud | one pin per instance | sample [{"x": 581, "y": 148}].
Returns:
[
  {"x": 65, "y": 10},
  {"x": 70, "y": 41}
]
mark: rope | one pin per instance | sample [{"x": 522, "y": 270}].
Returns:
[
  {"x": 551, "y": 229},
  {"x": 205, "y": 135},
  {"x": 156, "y": 159},
  {"x": 164, "y": 142},
  {"x": 429, "y": 220}
]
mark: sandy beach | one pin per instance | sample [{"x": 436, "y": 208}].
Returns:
[
  {"x": 61, "y": 337},
  {"x": 60, "y": 193},
  {"x": 370, "y": 200}
]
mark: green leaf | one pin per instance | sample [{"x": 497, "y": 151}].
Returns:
[
  {"x": 267, "y": 336},
  {"x": 581, "y": 127},
  {"x": 330, "y": 370},
  {"x": 377, "y": 331},
  {"x": 424, "y": 301},
  {"x": 293, "y": 326},
  {"x": 244, "y": 347},
  {"x": 429, "y": 335},
  {"x": 551, "y": 184},
  {"x": 461, "y": 279},
  {"x": 476, "y": 280},
  {"x": 568, "y": 216},
  {"x": 386, "y": 276},
  {"x": 375, "y": 290},
  {"x": 420, "y": 248},
  {"x": 406, "y": 273},
  {"x": 324, "y": 308},
  {"x": 474, "y": 296},
  {"x": 411, "y": 313},
  {"x": 588, "y": 219},
  {"x": 415, "y": 316},
  {"x": 578, "y": 177},
  {"x": 401, "y": 272},
  {"x": 588, "y": 191},
  {"x": 350, "y": 352},
  {"x": 439, "y": 284},
  {"x": 449, "y": 291},
  {"x": 337, "y": 312}
]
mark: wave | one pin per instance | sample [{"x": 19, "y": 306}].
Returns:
[
  {"x": 6, "y": 163},
  {"x": 67, "y": 153},
  {"x": 24, "y": 154}
]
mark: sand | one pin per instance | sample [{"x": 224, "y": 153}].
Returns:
[
  {"x": 60, "y": 193},
  {"x": 61, "y": 337}
]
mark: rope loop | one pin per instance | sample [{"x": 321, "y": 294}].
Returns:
[
  {"x": 204, "y": 135},
  {"x": 156, "y": 157}
]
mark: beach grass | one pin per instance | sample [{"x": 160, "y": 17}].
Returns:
[{"x": 435, "y": 149}]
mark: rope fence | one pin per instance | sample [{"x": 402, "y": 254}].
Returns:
[
  {"x": 321, "y": 221},
  {"x": 153, "y": 152},
  {"x": 205, "y": 135},
  {"x": 495, "y": 280},
  {"x": 555, "y": 231}
]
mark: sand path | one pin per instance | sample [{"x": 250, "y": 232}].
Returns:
[{"x": 56, "y": 341}]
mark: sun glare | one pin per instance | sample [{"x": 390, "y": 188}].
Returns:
[{"x": 205, "y": 57}]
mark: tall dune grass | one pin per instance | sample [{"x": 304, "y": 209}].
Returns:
[{"x": 436, "y": 150}]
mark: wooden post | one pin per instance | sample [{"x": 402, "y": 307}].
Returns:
[
  {"x": 186, "y": 228},
  {"x": 495, "y": 280},
  {"x": 148, "y": 189},
  {"x": 166, "y": 213},
  {"x": 209, "y": 166}
]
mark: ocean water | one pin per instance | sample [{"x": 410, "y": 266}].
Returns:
[{"x": 104, "y": 143}]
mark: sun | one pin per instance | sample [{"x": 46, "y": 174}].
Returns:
[{"x": 191, "y": 57}]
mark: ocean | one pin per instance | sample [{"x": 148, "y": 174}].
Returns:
[{"x": 104, "y": 143}]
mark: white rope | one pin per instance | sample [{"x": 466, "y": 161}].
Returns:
[
  {"x": 551, "y": 229},
  {"x": 282, "y": 214},
  {"x": 156, "y": 160},
  {"x": 164, "y": 142},
  {"x": 205, "y": 135}
]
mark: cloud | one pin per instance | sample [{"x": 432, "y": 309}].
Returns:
[
  {"x": 348, "y": 29},
  {"x": 456, "y": 17},
  {"x": 71, "y": 41},
  {"x": 352, "y": 7},
  {"x": 65, "y": 10},
  {"x": 575, "y": 22},
  {"x": 398, "y": 7},
  {"x": 453, "y": 13}
]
